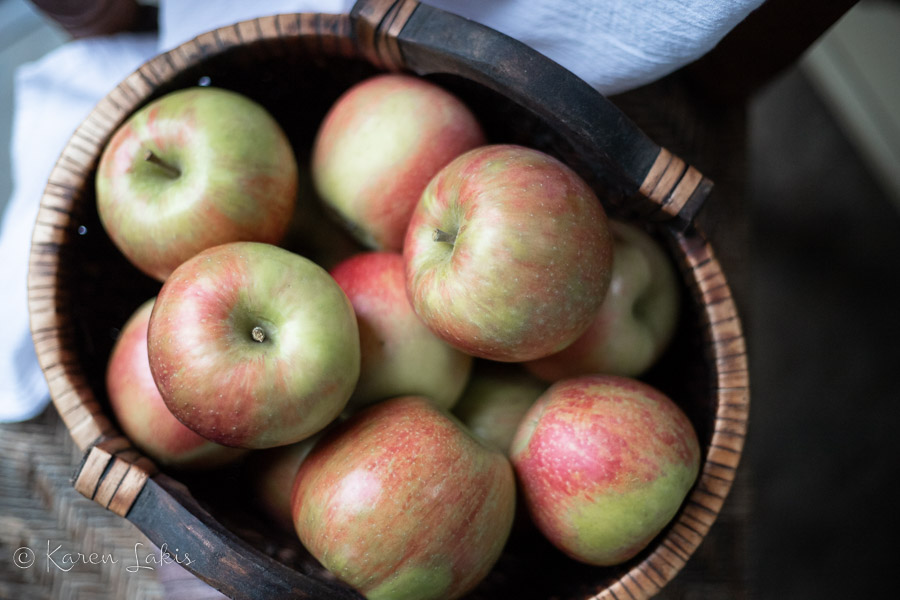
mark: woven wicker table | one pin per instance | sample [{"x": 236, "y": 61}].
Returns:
[{"x": 57, "y": 544}]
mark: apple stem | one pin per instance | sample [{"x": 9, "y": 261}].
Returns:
[
  {"x": 258, "y": 334},
  {"x": 152, "y": 158},
  {"x": 440, "y": 235}
]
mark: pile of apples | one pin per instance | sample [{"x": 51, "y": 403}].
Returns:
[{"x": 478, "y": 351}]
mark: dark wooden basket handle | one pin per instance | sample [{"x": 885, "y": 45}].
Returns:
[
  {"x": 119, "y": 478},
  {"x": 407, "y": 35}
]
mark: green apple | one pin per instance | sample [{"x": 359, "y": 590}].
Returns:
[
  {"x": 253, "y": 346},
  {"x": 193, "y": 169},
  {"x": 495, "y": 401}
]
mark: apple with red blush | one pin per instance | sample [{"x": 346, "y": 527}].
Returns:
[
  {"x": 253, "y": 346},
  {"x": 399, "y": 355},
  {"x": 379, "y": 145},
  {"x": 401, "y": 501},
  {"x": 604, "y": 463},
  {"x": 637, "y": 319},
  {"x": 508, "y": 254},
  {"x": 193, "y": 169},
  {"x": 141, "y": 412}
]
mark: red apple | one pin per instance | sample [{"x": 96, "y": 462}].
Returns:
[
  {"x": 378, "y": 147},
  {"x": 636, "y": 321},
  {"x": 191, "y": 170},
  {"x": 495, "y": 400},
  {"x": 604, "y": 463},
  {"x": 141, "y": 412},
  {"x": 508, "y": 255},
  {"x": 400, "y": 356},
  {"x": 253, "y": 346},
  {"x": 400, "y": 501}
]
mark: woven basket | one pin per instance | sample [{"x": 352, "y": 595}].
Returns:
[{"x": 81, "y": 289}]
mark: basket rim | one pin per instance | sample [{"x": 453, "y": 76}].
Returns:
[{"x": 90, "y": 427}]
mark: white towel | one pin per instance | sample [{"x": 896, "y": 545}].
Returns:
[
  {"x": 614, "y": 45},
  {"x": 52, "y": 96}
]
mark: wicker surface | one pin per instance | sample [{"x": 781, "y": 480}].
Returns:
[{"x": 43, "y": 518}]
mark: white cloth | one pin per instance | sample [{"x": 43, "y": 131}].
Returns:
[
  {"x": 52, "y": 96},
  {"x": 614, "y": 45}
]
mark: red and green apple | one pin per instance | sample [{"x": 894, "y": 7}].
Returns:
[
  {"x": 604, "y": 463},
  {"x": 508, "y": 254},
  {"x": 194, "y": 169},
  {"x": 253, "y": 346},
  {"x": 636, "y": 321},
  {"x": 400, "y": 501},
  {"x": 141, "y": 412},
  {"x": 400, "y": 356},
  {"x": 379, "y": 145}
]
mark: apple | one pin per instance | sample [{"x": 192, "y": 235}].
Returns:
[
  {"x": 142, "y": 415},
  {"x": 604, "y": 462},
  {"x": 400, "y": 501},
  {"x": 636, "y": 321},
  {"x": 495, "y": 401},
  {"x": 399, "y": 355},
  {"x": 194, "y": 169},
  {"x": 272, "y": 472},
  {"x": 379, "y": 145},
  {"x": 253, "y": 346},
  {"x": 508, "y": 254}
]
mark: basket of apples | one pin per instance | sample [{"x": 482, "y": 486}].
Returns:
[{"x": 388, "y": 305}]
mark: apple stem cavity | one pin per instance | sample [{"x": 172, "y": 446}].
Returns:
[
  {"x": 440, "y": 235},
  {"x": 165, "y": 167},
  {"x": 258, "y": 334}
]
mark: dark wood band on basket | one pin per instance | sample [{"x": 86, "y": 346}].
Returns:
[
  {"x": 167, "y": 511},
  {"x": 378, "y": 24},
  {"x": 113, "y": 474},
  {"x": 674, "y": 190}
]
